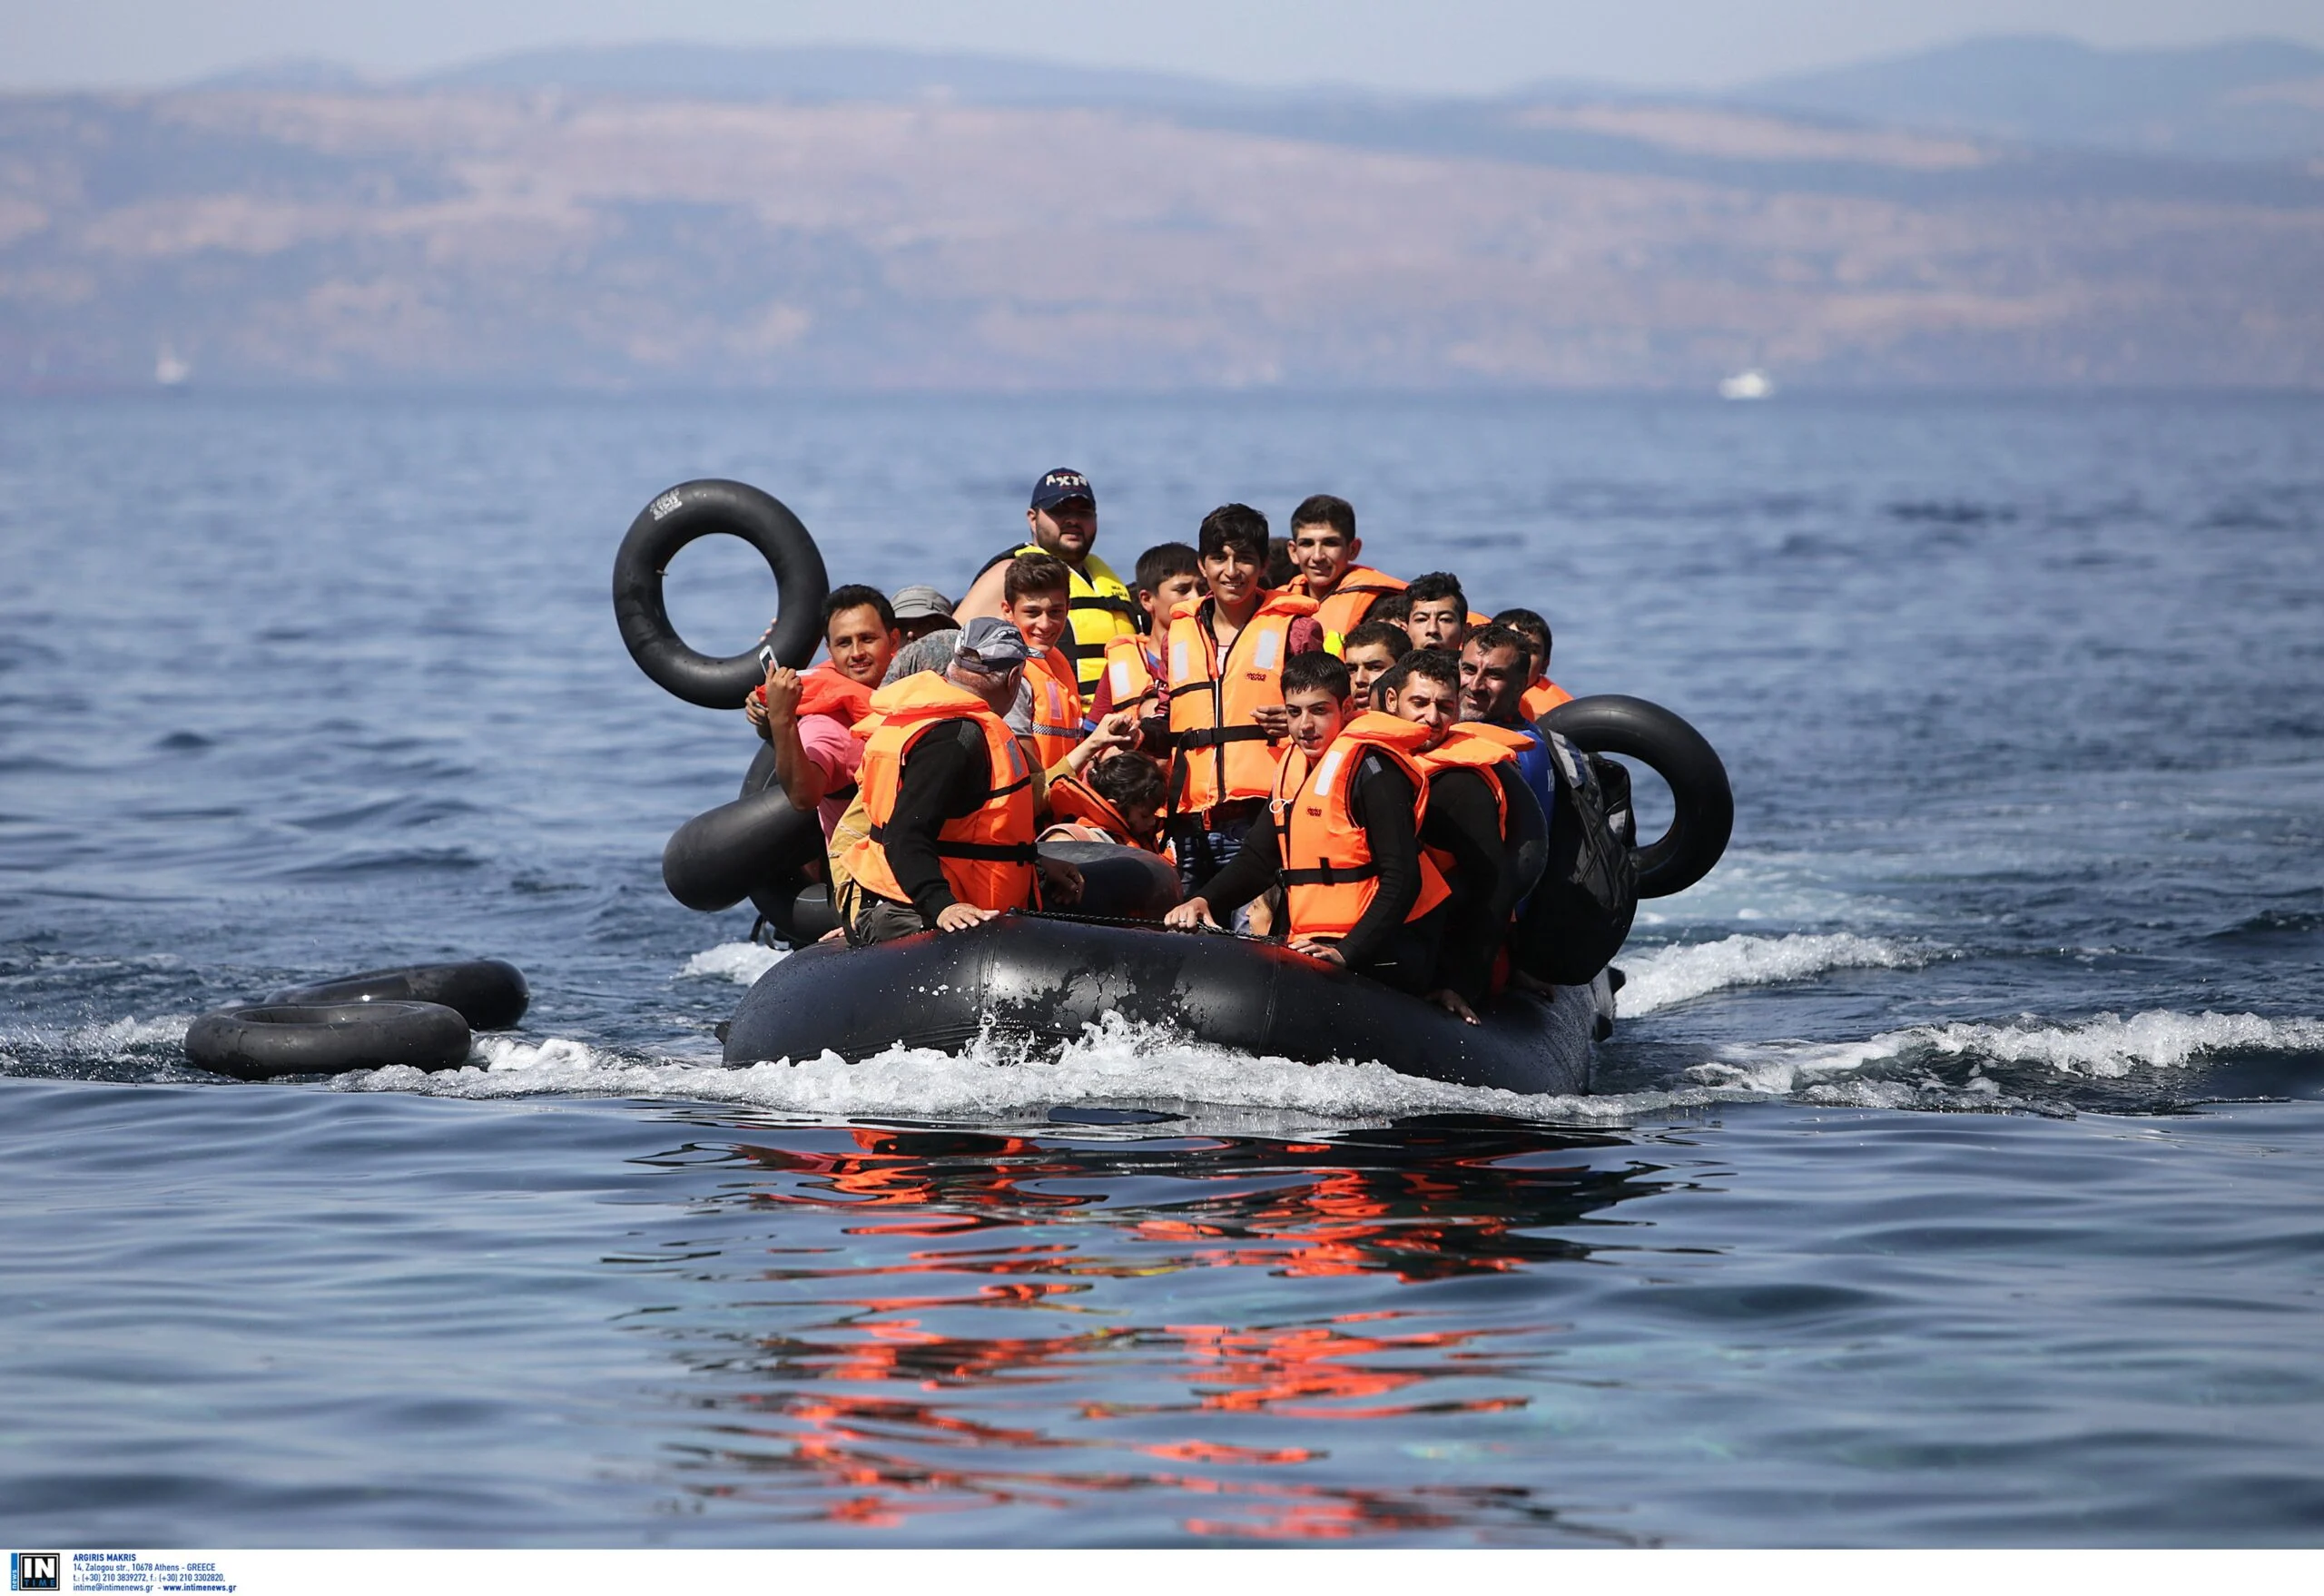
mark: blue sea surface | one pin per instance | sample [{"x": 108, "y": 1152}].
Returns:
[{"x": 1955, "y": 1174}]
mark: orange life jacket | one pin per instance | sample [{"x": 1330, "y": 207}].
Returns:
[
  {"x": 823, "y": 691},
  {"x": 1328, "y": 877},
  {"x": 1475, "y": 746},
  {"x": 1129, "y": 675},
  {"x": 1099, "y": 608},
  {"x": 1542, "y": 696},
  {"x": 1057, "y": 706},
  {"x": 1221, "y": 752},
  {"x": 1077, "y": 802},
  {"x": 988, "y": 856},
  {"x": 1352, "y": 599}
]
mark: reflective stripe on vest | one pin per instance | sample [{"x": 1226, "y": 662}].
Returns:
[
  {"x": 1358, "y": 589},
  {"x": 1328, "y": 873},
  {"x": 988, "y": 855},
  {"x": 1100, "y": 609},
  {"x": 1129, "y": 675},
  {"x": 1221, "y": 754},
  {"x": 1057, "y": 707}
]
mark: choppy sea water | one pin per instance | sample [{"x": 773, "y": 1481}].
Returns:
[{"x": 1953, "y": 1176}]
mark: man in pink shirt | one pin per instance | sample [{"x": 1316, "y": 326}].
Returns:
[{"x": 806, "y": 715}]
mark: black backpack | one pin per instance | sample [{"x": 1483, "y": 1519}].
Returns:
[{"x": 1580, "y": 912}]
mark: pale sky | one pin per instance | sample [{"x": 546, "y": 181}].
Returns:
[{"x": 1443, "y": 45}]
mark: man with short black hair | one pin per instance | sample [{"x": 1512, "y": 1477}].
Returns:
[
  {"x": 805, "y": 716},
  {"x": 1224, "y": 672},
  {"x": 1474, "y": 790},
  {"x": 1493, "y": 664},
  {"x": 1371, "y": 650},
  {"x": 1541, "y": 694},
  {"x": 1063, "y": 520},
  {"x": 1438, "y": 617},
  {"x": 1325, "y": 547},
  {"x": 1341, "y": 834}
]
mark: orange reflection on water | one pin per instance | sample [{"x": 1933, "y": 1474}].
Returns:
[{"x": 881, "y": 1413}]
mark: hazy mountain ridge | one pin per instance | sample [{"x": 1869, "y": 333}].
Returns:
[
  {"x": 523, "y": 234},
  {"x": 2245, "y": 100}
]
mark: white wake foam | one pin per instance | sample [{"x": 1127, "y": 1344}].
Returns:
[
  {"x": 740, "y": 962},
  {"x": 1113, "y": 1063},
  {"x": 2104, "y": 1047},
  {"x": 1660, "y": 977}
]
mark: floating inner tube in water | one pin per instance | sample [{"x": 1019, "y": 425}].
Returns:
[
  {"x": 675, "y": 518},
  {"x": 1043, "y": 980},
  {"x": 489, "y": 994},
  {"x": 267, "y": 1040},
  {"x": 1704, "y": 804}
]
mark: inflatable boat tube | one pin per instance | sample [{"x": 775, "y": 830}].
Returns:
[
  {"x": 489, "y": 994},
  {"x": 326, "y": 1039},
  {"x": 1033, "y": 980},
  {"x": 1118, "y": 882},
  {"x": 1612, "y": 722},
  {"x": 755, "y": 845},
  {"x": 675, "y": 518}
]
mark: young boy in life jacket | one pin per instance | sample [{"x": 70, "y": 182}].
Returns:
[
  {"x": 1541, "y": 694},
  {"x": 1168, "y": 574},
  {"x": 1370, "y": 650},
  {"x": 806, "y": 715},
  {"x": 1118, "y": 800},
  {"x": 1341, "y": 834},
  {"x": 948, "y": 801},
  {"x": 1325, "y": 547},
  {"x": 1035, "y": 596},
  {"x": 1474, "y": 794},
  {"x": 1225, "y": 664}
]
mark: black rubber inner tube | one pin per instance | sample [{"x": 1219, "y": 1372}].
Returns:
[
  {"x": 1613, "y": 722},
  {"x": 489, "y": 994},
  {"x": 739, "y": 850},
  {"x": 266, "y": 1041},
  {"x": 675, "y": 518}
]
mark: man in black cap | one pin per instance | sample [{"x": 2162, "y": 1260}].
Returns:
[{"x": 1063, "y": 518}]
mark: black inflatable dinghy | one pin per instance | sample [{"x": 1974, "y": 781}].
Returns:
[{"x": 1042, "y": 980}]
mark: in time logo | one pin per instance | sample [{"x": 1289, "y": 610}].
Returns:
[{"x": 35, "y": 1571}]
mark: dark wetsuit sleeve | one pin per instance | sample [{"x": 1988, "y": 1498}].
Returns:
[
  {"x": 1251, "y": 871},
  {"x": 1381, "y": 803},
  {"x": 1464, "y": 821},
  {"x": 945, "y": 777}
]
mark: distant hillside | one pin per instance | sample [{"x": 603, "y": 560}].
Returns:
[
  {"x": 832, "y": 71},
  {"x": 520, "y": 239},
  {"x": 2258, "y": 99}
]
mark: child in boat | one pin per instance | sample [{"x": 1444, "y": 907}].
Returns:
[
  {"x": 1341, "y": 834},
  {"x": 1118, "y": 800},
  {"x": 1168, "y": 574}
]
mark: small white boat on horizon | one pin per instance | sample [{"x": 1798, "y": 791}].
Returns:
[
  {"x": 1746, "y": 385},
  {"x": 169, "y": 370}
]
